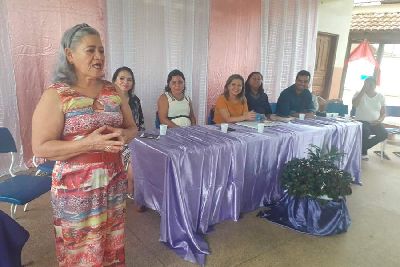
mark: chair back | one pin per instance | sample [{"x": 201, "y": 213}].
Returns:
[
  {"x": 157, "y": 121},
  {"x": 273, "y": 107},
  {"x": 19, "y": 189},
  {"x": 7, "y": 143},
  {"x": 210, "y": 118}
]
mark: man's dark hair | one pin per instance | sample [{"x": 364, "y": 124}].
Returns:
[{"x": 303, "y": 73}]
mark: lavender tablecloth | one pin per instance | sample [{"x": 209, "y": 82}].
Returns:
[{"x": 198, "y": 176}]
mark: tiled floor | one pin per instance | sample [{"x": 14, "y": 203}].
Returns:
[{"x": 372, "y": 240}]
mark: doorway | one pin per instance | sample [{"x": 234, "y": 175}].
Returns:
[{"x": 324, "y": 63}]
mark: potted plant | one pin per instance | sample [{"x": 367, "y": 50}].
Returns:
[{"x": 314, "y": 194}]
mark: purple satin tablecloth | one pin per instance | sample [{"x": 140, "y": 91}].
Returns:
[{"x": 198, "y": 176}]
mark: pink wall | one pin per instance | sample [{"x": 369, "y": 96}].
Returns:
[
  {"x": 35, "y": 33},
  {"x": 234, "y": 42}
]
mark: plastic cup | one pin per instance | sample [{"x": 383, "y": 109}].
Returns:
[
  {"x": 163, "y": 129},
  {"x": 302, "y": 116},
  {"x": 329, "y": 115},
  {"x": 347, "y": 117},
  {"x": 335, "y": 115},
  {"x": 260, "y": 127},
  {"x": 224, "y": 127}
]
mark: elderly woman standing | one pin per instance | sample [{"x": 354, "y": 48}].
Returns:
[{"x": 83, "y": 122}]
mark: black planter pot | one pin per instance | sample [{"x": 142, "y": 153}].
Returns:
[{"x": 309, "y": 215}]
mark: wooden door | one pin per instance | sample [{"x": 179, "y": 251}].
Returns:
[{"x": 324, "y": 63}]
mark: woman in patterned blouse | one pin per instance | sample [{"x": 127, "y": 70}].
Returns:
[{"x": 83, "y": 122}]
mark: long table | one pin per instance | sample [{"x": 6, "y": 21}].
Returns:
[{"x": 198, "y": 176}]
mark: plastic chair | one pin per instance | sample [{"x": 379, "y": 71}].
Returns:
[
  {"x": 210, "y": 118},
  {"x": 157, "y": 121},
  {"x": 273, "y": 107},
  {"x": 45, "y": 168},
  {"x": 380, "y": 153},
  {"x": 19, "y": 189}
]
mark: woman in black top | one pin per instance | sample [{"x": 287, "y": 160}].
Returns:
[
  {"x": 257, "y": 99},
  {"x": 123, "y": 77}
]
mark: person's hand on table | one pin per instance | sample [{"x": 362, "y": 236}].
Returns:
[
  {"x": 250, "y": 116},
  {"x": 309, "y": 115}
]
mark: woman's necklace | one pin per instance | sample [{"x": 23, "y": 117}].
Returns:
[{"x": 176, "y": 98}]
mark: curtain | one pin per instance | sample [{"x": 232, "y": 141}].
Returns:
[
  {"x": 234, "y": 42},
  {"x": 153, "y": 37},
  {"x": 8, "y": 98},
  {"x": 289, "y": 33},
  {"x": 35, "y": 30}
]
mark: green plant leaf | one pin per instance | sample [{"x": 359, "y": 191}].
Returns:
[{"x": 316, "y": 175}]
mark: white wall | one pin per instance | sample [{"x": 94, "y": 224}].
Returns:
[
  {"x": 379, "y": 8},
  {"x": 334, "y": 16}
]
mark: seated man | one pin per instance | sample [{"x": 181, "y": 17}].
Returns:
[
  {"x": 370, "y": 111},
  {"x": 296, "y": 98}
]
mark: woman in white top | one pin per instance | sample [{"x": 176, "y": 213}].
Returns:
[
  {"x": 370, "y": 111},
  {"x": 174, "y": 107}
]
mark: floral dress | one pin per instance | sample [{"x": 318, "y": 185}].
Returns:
[{"x": 88, "y": 198}]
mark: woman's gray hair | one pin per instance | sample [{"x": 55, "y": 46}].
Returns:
[{"x": 64, "y": 71}]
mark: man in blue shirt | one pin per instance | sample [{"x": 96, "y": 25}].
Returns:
[{"x": 296, "y": 98}]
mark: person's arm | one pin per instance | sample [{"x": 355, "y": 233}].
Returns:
[
  {"x": 47, "y": 128},
  {"x": 267, "y": 107},
  {"x": 129, "y": 130},
  {"x": 226, "y": 116},
  {"x": 357, "y": 97},
  {"x": 163, "y": 106},
  {"x": 382, "y": 114},
  {"x": 192, "y": 116},
  {"x": 283, "y": 105},
  {"x": 309, "y": 109},
  {"x": 141, "y": 117},
  {"x": 309, "y": 103}
]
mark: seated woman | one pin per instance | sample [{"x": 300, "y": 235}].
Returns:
[
  {"x": 231, "y": 106},
  {"x": 123, "y": 77},
  {"x": 257, "y": 99},
  {"x": 174, "y": 107}
]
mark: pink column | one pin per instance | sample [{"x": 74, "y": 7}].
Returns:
[{"x": 234, "y": 42}]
